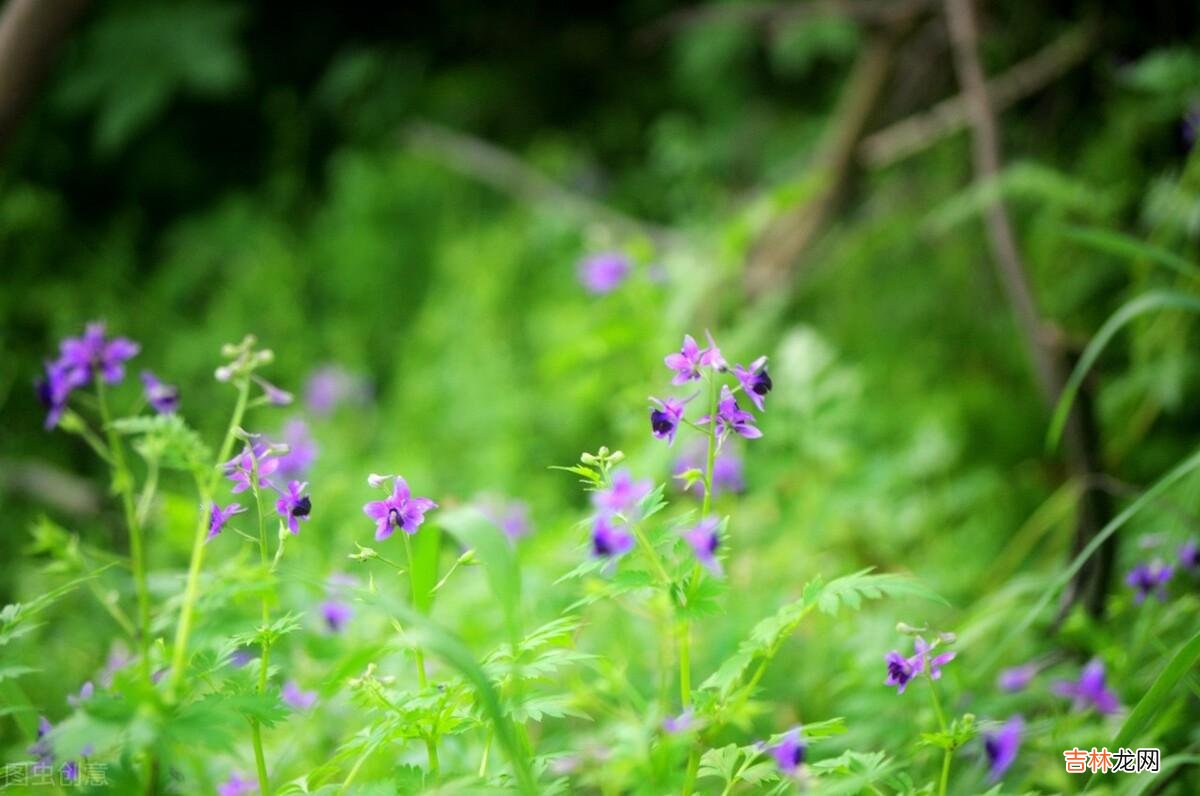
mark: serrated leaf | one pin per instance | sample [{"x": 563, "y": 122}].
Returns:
[{"x": 166, "y": 439}]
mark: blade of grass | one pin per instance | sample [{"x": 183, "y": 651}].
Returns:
[{"x": 1130, "y": 248}]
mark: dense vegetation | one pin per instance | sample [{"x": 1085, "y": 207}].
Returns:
[{"x": 403, "y": 282}]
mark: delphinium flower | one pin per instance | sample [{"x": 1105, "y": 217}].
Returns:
[
  {"x": 330, "y": 385},
  {"x": 754, "y": 380},
  {"x": 86, "y": 692},
  {"x": 1016, "y": 678},
  {"x": 901, "y": 671},
  {"x": 1189, "y": 555},
  {"x": 704, "y": 540},
  {"x": 604, "y": 272},
  {"x": 609, "y": 540},
  {"x": 930, "y": 665},
  {"x": 164, "y": 398},
  {"x": 1001, "y": 746},
  {"x": 400, "y": 510},
  {"x": 681, "y": 723},
  {"x": 118, "y": 658},
  {"x": 301, "y": 450},
  {"x": 295, "y": 696},
  {"x": 293, "y": 505},
  {"x": 789, "y": 752},
  {"x": 1147, "y": 579},
  {"x": 665, "y": 419},
  {"x": 336, "y": 614},
  {"x": 726, "y": 476},
  {"x": 93, "y": 354},
  {"x": 622, "y": 494},
  {"x": 41, "y": 748},
  {"x": 219, "y": 517},
  {"x": 55, "y": 387},
  {"x": 237, "y": 786},
  {"x": 256, "y": 457},
  {"x": 731, "y": 418},
  {"x": 240, "y": 658},
  {"x": 273, "y": 395},
  {"x": 510, "y": 516},
  {"x": 1090, "y": 690},
  {"x": 688, "y": 361}
]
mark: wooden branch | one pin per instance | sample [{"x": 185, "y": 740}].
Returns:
[
  {"x": 506, "y": 172},
  {"x": 30, "y": 33},
  {"x": 1048, "y": 363},
  {"x": 923, "y": 130}
]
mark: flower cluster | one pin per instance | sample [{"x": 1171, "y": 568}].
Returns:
[
  {"x": 901, "y": 670},
  {"x": 80, "y": 361},
  {"x": 251, "y": 470}
]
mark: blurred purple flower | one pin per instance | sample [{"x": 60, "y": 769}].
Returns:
[
  {"x": 254, "y": 457},
  {"x": 789, "y": 752},
  {"x": 1090, "y": 691},
  {"x": 704, "y": 540},
  {"x": 164, "y": 398},
  {"x": 54, "y": 388},
  {"x": 297, "y": 698},
  {"x": 510, "y": 516},
  {"x": 664, "y": 421},
  {"x": 70, "y": 771},
  {"x": 337, "y": 615},
  {"x": 1189, "y": 555},
  {"x": 240, "y": 658},
  {"x": 274, "y": 395},
  {"x": 302, "y": 450},
  {"x": 85, "y": 693},
  {"x": 931, "y": 666},
  {"x": 604, "y": 272},
  {"x": 1001, "y": 747},
  {"x": 328, "y": 386},
  {"x": 732, "y": 418},
  {"x": 608, "y": 540},
  {"x": 690, "y": 358},
  {"x": 1016, "y": 678},
  {"x": 92, "y": 354},
  {"x": 118, "y": 659},
  {"x": 236, "y": 786},
  {"x": 900, "y": 671},
  {"x": 727, "y": 470},
  {"x": 293, "y": 505},
  {"x": 623, "y": 493},
  {"x": 41, "y": 748},
  {"x": 681, "y": 723},
  {"x": 399, "y": 510},
  {"x": 1147, "y": 579},
  {"x": 218, "y": 517},
  {"x": 754, "y": 380}
]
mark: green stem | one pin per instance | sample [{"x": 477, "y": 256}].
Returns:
[
  {"x": 358, "y": 764},
  {"x": 123, "y": 481},
  {"x": 945, "y": 780},
  {"x": 265, "y": 658},
  {"x": 191, "y": 591},
  {"x": 949, "y": 752},
  {"x": 419, "y": 654}
]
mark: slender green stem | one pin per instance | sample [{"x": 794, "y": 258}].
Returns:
[
  {"x": 487, "y": 748},
  {"x": 191, "y": 590},
  {"x": 945, "y": 780},
  {"x": 937, "y": 705},
  {"x": 358, "y": 764},
  {"x": 949, "y": 752},
  {"x": 148, "y": 490},
  {"x": 265, "y": 658},
  {"x": 419, "y": 654},
  {"x": 123, "y": 481}
]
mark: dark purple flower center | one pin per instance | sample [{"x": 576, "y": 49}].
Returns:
[
  {"x": 712, "y": 543},
  {"x": 899, "y": 671},
  {"x": 661, "y": 422},
  {"x": 762, "y": 383},
  {"x": 991, "y": 745},
  {"x": 798, "y": 754},
  {"x": 45, "y": 393},
  {"x": 302, "y": 507},
  {"x": 395, "y": 518},
  {"x": 602, "y": 545}
]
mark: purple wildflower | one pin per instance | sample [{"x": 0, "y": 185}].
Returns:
[
  {"x": 690, "y": 358},
  {"x": 681, "y": 723},
  {"x": 164, "y": 398},
  {"x": 55, "y": 387},
  {"x": 754, "y": 380},
  {"x": 789, "y": 751},
  {"x": 241, "y": 657},
  {"x": 1090, "y": 691},
  {"x": 1001, "y": 747},
  {"x": 608, "y": 540},
  {"x": 41, "y": 748},
  {"x": 118, "y": 659},
  {"x": 296, "y": 697},
  {"x": 931, "y": 666},
  {"x": 1147, "y": 579},
  {"x": 623, "y": 493},
  {"x": 274, "y": 395},
  {"x": 1189, "y": 555},
  {"x": 704, "y": 540},
  {"x": 732, "y": 418},
  {"x": 70, "y": 771},
  {"x": 293, "y": 505},
  {"x": 337, "y": 615},
  {"x": 236, "y": 786},
  {"x": 327, "y": 386},
  {"x": 900, "y": 671},
  {"x": 1016, "y": 678},
  {"x": 256, "y": 457},
  {"x": 92, "y": 354},
  {"x": 86, "y": 692},
  {"x": 603, "y": 273},
  {"x": 511, "y": 517},
  {"x": 219, "y": 517},
  {"x": 302, "y": 451},
  {"x": 726, "y": 475},
  {"x": 664, "y": 421},
  {"x": 400, "y": 510}
]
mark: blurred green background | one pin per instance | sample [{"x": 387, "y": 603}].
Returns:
[{"x": 190, "y": 172}]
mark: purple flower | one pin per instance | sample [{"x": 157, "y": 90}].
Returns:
[
  {"x": 1189, "y": 555},
  {"x": 681, "y": 723},
  {"x": 732, "y": 418},
  {"x": 302, "y": 451},
  {"x": 297, "y": 698},
  {"x": 754, "y": 380},
  {"x": 603, "y": 273},
  {"x": 1147, "y": 579},
  {"x": 690, "y": 358},
  {"x": 400, "y": 510},
  {"x": 727, "y": 470},
  {"x": 1001, "y": 747},
  {"x": 1090, "y": 690},
  {"x": 274, "y": 395},
  {"x": 789, "y": 751},
  {"x": 931, "y": 666},
  {"x": 92, "y": 354},
  {"x": 118, "y": 659},
  {"x": 41, "y": 749},
  {"x": 337, "y": 615},
  {"x": 236, "y": 786},
  {"x": 218, "y": 517},
  {"x": 329, "y": 386},
  {"x": 1016, "y": 678},
  {"x": 55, "y": 387},
  {"x": 241, "y": 657},
  {"x": 623, "y": 493},
  {"x": 608, "y": 540},
  {"x": 900, "y": 670},
  {"x": 664, "y": 421},
  {"x": 704, "y": 540},
  {"x": 293, "y": 505},
  {"x": 70, "y": 771},
  {"x": 164, "y": 398},
  {"x": 85, "y": 693},
  {"x": 511, "y": 517},
  {"x": 253, "y": 458}
]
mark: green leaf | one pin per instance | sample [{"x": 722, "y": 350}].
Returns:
[
  {"x": 426, "y": 547},
  {"x": 1147, "y": 302},
  {"x": 167, "y": 440},
  {"x": 493, "y": 549},
  {"x": 1130, "y": 248}
]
